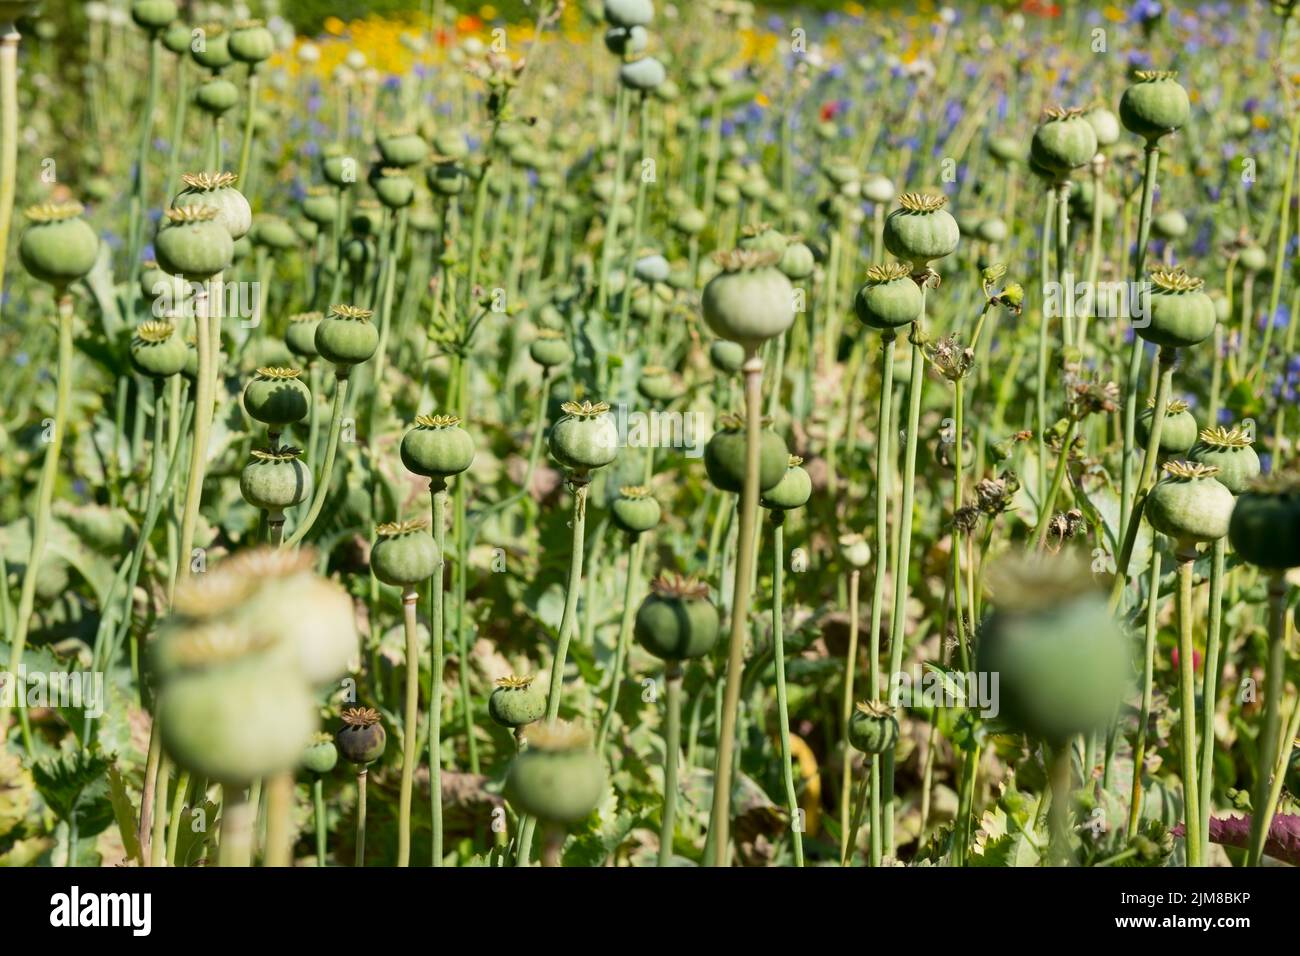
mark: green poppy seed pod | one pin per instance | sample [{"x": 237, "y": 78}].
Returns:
[
  {"x": 157, "y": 351},
  {"x": 235, "y": 708},
  {"x": 362, "y": 737},
  {"x": 367, "y": 218},
  {"x": 437, "y": 447},
  {"x": 103, "y": 529},
  {"x": 549, "y": 349},
  {"x": 320, "y": 205},
  {"x": 58, "y": 247},
  {"x": 191, "y": 369},
  {"x": 251, "y": 42},
  {"x": 1178, "y": 313},
  {"x": 1253, "y": 258},
  {"x": 177, "y": 38},
  {"x": 273, "y": 233},
  {"x": 677, "y": 621},
  {"x": 240, "y": 250},
  {"x": 1230, "y": 450},
  {"x": 1154, "y": 105},
  {"x": 635, "y": 510},
  {"x": 337, "y": 169},
  {"x": 626, "y": 41},
  {"x": 763, "y": 238},
  {"x": 393, "y": 187},
  {"x": 1189, "y": 504},
  {"x": 405, "y": 554},
  {"x": 724, "y": 456},
  {"x": 921, "y": 230},
  {"x": 889, "y": 299},
  {"x": 277, "y": 396},
  {"x": 644, "y": 74},
  {"x": 346, "y": 336},
  {"x": 585, "y": 437},
  {"x": 797, "y": 262},
  {"x": 156, "y": 285},
  {"x": 402, "y": 149},
  {"x": 651, "y": 269},
  {"x": 153, "y": 15},
  {"x": 557, "y": 778},
  {"x": 629, "y": 13},
  {"x": 1239, "y": 126},
  {"x": 1170, "y": 224},
  {"x": 213, "y": 53},
  {"x": 216, "y": 96},
  {"x": 727, "y": 195},
  {"x": 992, "y": 230},
  {"x": 878, "y": 189},
  {"x": 1063, "y": 142},
  {"x": 1105, "y": 126},
  {"x": 855, "y": 550},
  {"x": 690, "y": 222},
  {"x": 1006, "y": 150},
  {"x": 1063, "y": 662},
  {"x": 275, "y": 479},
  {"x": 217, "y": 190},
  {"x": 1265, "y": 526},
  {"x": 1084, "y": 194},
  {"x": 321, "y": 755},
  {"x": 451, "y": 144},
  {"x": 726, "y": 357},
  {"x": 1179, "y": 431},
  {"x": 193, "y": 243},
  {"x": 873, "y": 729},
  {"x": 750, "y": 300},
  {"x": 446, "y": 178},
  {"x": 300, "y": 336},
  {"x": 517, "y": 701},
  {"x": 792, "y": 491}
]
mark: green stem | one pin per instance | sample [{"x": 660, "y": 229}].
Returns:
[
  {"x": 672, "y": 745},
  {"x": 898, "y": 621},
  {"x": 438, "y": 491},
  {"x": 1135, "y": 356},
  {"x": 1274, "y": 686},
  {"x": 362, "y": 775},
  {"x": 327, "y": 468},
  {"x": 1148, "y": 685},
  {"x": 250, "y": 116},
  {"x": 1058, "y": 478},
  {"x": 410, "y": 717},
  {"x": 1187, "y": 706},
  {"x": 44, "y": 498},
  {"x": 883, "y": 443},
  {"x": 846, "y": 714},
  {"x": 1210, "y": 689},
  {"x": 237, "y": 814},
  {"x": 782, "y": 698},
  {"x": 635, "y": 558},
  {"x": 318, "y": 804},
  {"x": 722, "y": 774},
  {"x": 9, "y": 39}
]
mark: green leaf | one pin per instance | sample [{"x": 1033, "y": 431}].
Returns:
[{"x": 124, "y": 813}]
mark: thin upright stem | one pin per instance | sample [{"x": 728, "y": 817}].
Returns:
[
  {"x": 1274, "y": 686},
  {"x": 1187, "y": 707},
  {"x": 672, "y": 746},
  {"x": 410, "y": 717},
  {"x": 782, "y": 698},
  {"x": 723, "y": 769},
  {"x": 438, "y": 492}
]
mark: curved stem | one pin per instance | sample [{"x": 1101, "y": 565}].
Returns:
[
  {"x": 624, "y": 639},
  {"x": 579, "y": 484},
  {"x": 327, "y": 468}
]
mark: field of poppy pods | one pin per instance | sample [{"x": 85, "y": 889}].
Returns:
[{"x": 628, "y": 433}]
